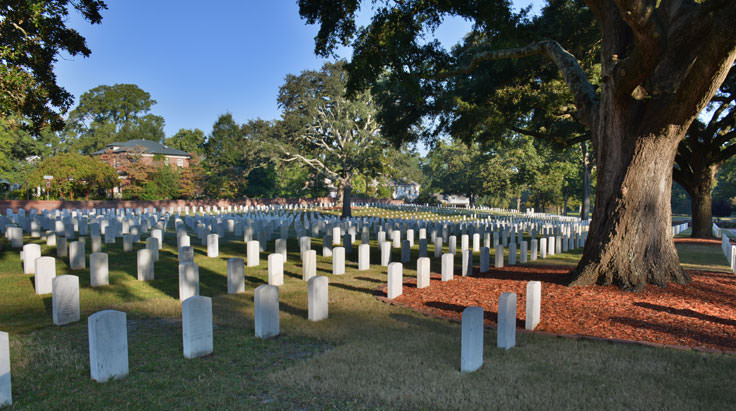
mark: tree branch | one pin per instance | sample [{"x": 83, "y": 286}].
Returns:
[{"x": 577, "y": 81}]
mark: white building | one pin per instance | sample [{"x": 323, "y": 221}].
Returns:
[{"x": 405, "y": 190}]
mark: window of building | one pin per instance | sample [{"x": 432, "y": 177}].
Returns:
[{"x": 180, "y": 162}]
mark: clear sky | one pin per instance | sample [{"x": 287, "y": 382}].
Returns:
[{"x": 199, "y": 60}]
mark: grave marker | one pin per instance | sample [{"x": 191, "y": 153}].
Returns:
[{"x": 108, "y": 345}]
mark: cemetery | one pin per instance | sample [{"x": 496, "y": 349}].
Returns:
[
  {"x": 415, "y": 204},
  {"x": 274, "y": 331}
]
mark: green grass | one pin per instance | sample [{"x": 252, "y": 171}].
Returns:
[{"x": 368, "y": 354}]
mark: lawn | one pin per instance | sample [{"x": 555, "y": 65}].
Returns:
[{"x": 368, "y": 354}]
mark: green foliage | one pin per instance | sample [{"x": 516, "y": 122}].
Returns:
[
  {"x": 190, "y": 141},
  {"x": 163, "y": 184},
  {"x": 75, "y": 175},
  {"x": 33, "y": 33},
  {"x": 231, "y": 152},
  {"x": 107, "y": 114},
  {"x": 334, "y": 136}
]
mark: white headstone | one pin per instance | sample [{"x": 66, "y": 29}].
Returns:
[
  {"x": 338, "y": 260},
  {"x": 395, "y": 280},
  {"x": 467, "y": 262},
  {"x": 188, "y": 280},
  {"x": 498, "y": 256},
  {"x": 385, "y": 253},
  {"x": 145, "y": 265},
  {"x": 423, "y": 272},
  {"x": 542, "y": 248},
  {"x": 266, "y": 307},
  {"x": 99, "y": 274},
  {"x": 533, "y": 251},
  {"x": 213, "y": 245},
  {"x": 317, "y": 298},
  {"x": 448, "y": 266},
  {"x": 512, "y": 253},
  {"x": 6, "y": 394},
  {"x": 506, "y": 320},
  {"x": 186, "y": 254},
  {"x": 364, "y": 257},
  {"x": 309, "y": 264},
  {"x": 45, "y": 274},
  {"x": 30, "y": 253},
  {"x": 275, "y": 269},
  {"x": 533, "y": 304},
  {"x": 196, "y": 324},
  {"x": 108, "y": 345},
  {"x": 65, "y": 299},
  {"x": 235, "y": 275},
  {"x": 523, "y": 252},
  {"x": 253, "y": 253},
  {"x": 471, "y": 348},
  {"x": 77, "y": 258},
  {"x": 62, "y": 249}
]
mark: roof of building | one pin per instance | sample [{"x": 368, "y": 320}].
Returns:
[
  {"x": 143, "y": 147},
  {"x": 402, "y": 182}
]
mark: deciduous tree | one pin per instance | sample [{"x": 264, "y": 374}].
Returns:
[
  {"x": 335, "y": 136},
  {"x": 661, "y": 62}
]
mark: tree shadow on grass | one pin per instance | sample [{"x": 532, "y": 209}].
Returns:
[
  {"x": 287, "y": 308},
  {"x": 373, "y": 280},
  {"x": 357, "y": 289}
]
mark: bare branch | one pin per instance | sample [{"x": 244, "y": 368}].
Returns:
[{"x": 576, "y": 79}]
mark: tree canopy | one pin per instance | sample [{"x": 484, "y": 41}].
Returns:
[
  {"x": 334, "y": 135},
  {"x": 106, "y": 114},
  {"x": 32, "y": 35},
  {"x": 660, "y": 63}
]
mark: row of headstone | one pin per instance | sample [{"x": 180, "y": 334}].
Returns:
[{"x": 471, "y": 346}]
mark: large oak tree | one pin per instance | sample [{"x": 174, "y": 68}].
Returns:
[{"x": 661, "y": 61}]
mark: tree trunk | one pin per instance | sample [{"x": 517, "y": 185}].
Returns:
[
  {"x": 347, "y": 191},
  {"x": 630, "y": 239},
  {"x": 587, "y": 187},
  {"x": 701, "y": 200},
  {"x": 518, "y": 203}
]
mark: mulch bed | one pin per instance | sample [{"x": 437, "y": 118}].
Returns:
[{"x": 700, "y": 315}]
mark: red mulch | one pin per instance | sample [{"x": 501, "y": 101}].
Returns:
[{"x": 700, "y": 315}]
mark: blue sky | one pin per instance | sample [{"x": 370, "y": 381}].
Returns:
[{"x": 199, "y": 60}]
